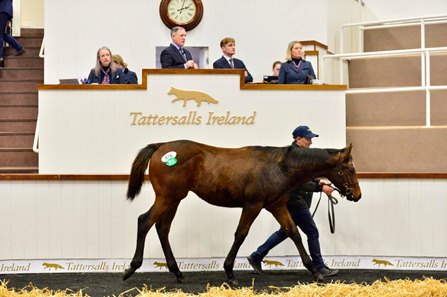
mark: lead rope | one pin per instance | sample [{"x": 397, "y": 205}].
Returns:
[{"x": 331, "y": 201}]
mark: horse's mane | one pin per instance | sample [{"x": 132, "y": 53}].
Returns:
[
  {"x": 277, "y": 153},
  {"x": 311, "y": 155}
]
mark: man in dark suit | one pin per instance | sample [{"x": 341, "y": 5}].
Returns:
[
  {"x": 176, "y": 56},
  {"x": 228, "y": 46},
  {"x": 5, "y": 17}
]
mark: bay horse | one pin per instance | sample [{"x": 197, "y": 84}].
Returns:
[{"x": 251, "y": 177}]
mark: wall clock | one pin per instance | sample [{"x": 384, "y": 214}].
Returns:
[{"x": 184, "y": 13}]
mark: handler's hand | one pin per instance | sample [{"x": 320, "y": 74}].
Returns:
[{"x": 326, "y": 187}]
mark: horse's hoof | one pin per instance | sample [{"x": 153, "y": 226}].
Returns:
[
  {"x": 233, "y": 282},
  {"x": 180, "y": 279},
  {"x": 128, "y": 273}
]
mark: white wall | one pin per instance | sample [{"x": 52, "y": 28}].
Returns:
[
  {"x": 32, "y": 13},
  {"x": 262, "y": 30},
  {"x": 396, "y": 9},
  {"x": 261, "y": 36},
  {"x": 92, "y": 219}
]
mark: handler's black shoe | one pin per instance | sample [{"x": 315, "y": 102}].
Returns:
[
  {"x": 256, "y": 264},
  {"x": 326, "y": 272},
  {"x": 20, "y": 52}
]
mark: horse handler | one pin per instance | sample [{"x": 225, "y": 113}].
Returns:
[{"x": 300, "y": 199}]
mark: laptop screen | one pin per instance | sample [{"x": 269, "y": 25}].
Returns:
[
  {"x": 270, "y": 79},
  {"x": 69, "y": 81}
]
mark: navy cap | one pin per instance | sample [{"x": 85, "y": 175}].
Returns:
[{"x": 303, "y": 131}]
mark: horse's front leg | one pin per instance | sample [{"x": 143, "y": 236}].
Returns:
[
  {"x": 283, "y": 217},
  {"x": 163, "y": 227},
  {"x": 249, "y": 214}
]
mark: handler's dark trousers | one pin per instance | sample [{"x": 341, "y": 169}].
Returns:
[
  {"x": 303, "y": 219},
  {"x": 4, "y": 18}
]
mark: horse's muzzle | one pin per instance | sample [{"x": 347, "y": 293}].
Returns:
[{"x": 351, "y": 197}]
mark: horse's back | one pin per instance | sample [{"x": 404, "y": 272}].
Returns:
[
  {"x": 211, "y": 172},
  {"x": 190, "y": 154}
]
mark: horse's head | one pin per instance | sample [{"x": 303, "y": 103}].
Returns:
[{"x": 344, "y": 176}]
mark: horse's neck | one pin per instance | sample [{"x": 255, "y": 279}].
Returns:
[{"x": 313, "y": 163}]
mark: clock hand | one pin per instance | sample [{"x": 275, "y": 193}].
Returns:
[{"x": 181, "y": 8}]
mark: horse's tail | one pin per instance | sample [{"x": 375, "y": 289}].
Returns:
[{"x": 139, "y": 166}]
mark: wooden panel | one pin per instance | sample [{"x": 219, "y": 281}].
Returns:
[
  {"x": 436, "y": 35},
  {"x": 438, "y": 101},
  {"x": 399, "y": 149},
  {"x": 438, "y": 69},
  {"x": 385, "y": 72},
  {"x": 392, "y": 38},
  {"x": 386, "y": 109}
]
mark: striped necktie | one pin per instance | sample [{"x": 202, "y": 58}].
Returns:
[
  {"x": 183, "y": 53},
  {"x": 231, "y": 63}
]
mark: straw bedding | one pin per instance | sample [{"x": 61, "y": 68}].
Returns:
[{"x": 396, "y": 288}]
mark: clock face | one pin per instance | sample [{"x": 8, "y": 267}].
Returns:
[
  {"x": 185, "y": 13},
  {"x": 182, "y": 11}
]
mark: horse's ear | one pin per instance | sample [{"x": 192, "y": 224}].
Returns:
[
  {"x": 348, "y": 149},
  {"x": 344, "y": 154}
]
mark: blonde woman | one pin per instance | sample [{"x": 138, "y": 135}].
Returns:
[
  {"x": 130, "y": 77},
  {"x": 295, "y": 70}
]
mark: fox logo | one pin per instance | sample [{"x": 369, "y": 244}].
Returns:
[
  {"x": 271, "y": 263},
  {"x": 381, "y": 262},
  {"x": 198, "y": 97},
  {"x": 160, "y": 265},
  {"x": 52, "y": 265}
]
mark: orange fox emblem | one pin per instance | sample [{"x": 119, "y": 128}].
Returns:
[
  {"x": 52, "y": 265},
  {"x": 382, "y": 262},
  {"x": 271, "y": 263},
  {"x": 197, "y": 96},
  {"x": 160, "y": 265}
]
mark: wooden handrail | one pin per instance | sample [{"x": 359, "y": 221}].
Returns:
[{"x": 314, "y": 43}]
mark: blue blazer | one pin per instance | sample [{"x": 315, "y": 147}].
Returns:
[
  {"x": 171, "y": 57},
  {"x": 116, "y": 78},
  {"x": 130, "y": 77},
  {"x": 222, "y": 63},
  {"x": 288, "y": 74},
  {"x": 6, "y": 7}
]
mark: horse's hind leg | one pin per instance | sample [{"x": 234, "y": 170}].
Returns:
[
  {"x": 283, "y": 217},
  {"x": 249, "y": 214},
  {"x": 163, "y": 227},
  {"x": 145, "y": 222},
  {"x": 143, "y": 229}
]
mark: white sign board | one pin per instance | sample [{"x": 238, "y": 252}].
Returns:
[{"x": 96, "y": 130}]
